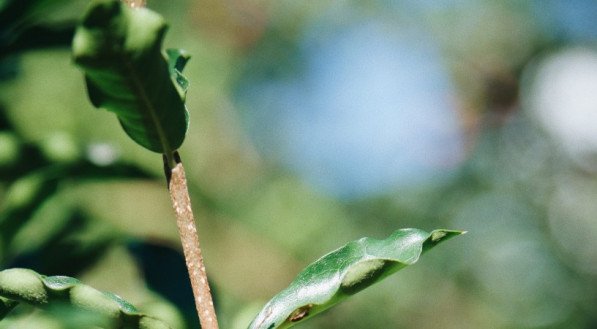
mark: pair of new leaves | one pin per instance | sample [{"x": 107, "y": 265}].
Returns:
[{"x": 119, "y": 50}]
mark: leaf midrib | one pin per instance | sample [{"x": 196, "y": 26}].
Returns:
[{"x": 139, "y": 90}]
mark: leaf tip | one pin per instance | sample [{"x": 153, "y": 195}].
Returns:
[{"x": 438, "y": 236}]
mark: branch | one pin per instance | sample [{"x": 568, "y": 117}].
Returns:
[
  {"x": 177, "y": 185},
  {"x": 181, "y": 202}
]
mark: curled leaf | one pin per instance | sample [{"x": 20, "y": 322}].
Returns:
[{"x": 344, "y": 272}]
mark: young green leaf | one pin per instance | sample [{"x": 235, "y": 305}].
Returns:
[
  {"x": 27, "y": 286},
  {"x": 344, "y": 272},
  {"x": 119, "y": 49}
]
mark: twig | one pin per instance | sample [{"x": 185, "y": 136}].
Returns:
[
  {"x": 181, "y": 202},
  {"x": 177, "y": 184}
]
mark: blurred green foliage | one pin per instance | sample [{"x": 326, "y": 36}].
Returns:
[
  {"x": 57, "y": 293},
  {"x": 78, "y": 198}
]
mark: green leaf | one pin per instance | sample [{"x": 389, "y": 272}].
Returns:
[
  {"x": 119, "y": 49},
  {"x": 344, "y": 272},
  {"x": 177, "y": 60},
  {"x": 27, "y": 286}
]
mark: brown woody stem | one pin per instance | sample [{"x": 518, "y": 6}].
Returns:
[{"x": 181, "y": 202}]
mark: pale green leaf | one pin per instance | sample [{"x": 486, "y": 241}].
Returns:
[{"x": 19, "y": 285}]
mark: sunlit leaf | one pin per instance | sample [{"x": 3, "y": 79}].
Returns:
[
  {"x": 119, "y": 49},
  {"x": 344, "y": 272}
]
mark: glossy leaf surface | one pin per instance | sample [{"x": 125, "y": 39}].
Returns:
[
  {"x": 344, "y": 272},
  {"x": 119, "y": 49}
]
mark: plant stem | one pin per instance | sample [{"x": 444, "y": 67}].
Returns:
[{"x": 181, "y": 202}]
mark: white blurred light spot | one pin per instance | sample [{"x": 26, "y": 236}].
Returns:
[
  {"x": 563, "y": 96},
  {"x": 102, "y": 154}
]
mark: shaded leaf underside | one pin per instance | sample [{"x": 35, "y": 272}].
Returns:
[{"x": 126, "y": 73}]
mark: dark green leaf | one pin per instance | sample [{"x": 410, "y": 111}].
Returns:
[
  {"x": 119, "y": 49},
  {"x": 344, "y": 272},
  {"x": 6, "y": 305},
  {"x": 40, "y": 37},
  {"x": 16, "y": 14}
]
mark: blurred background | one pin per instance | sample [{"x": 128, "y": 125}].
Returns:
[{"x": 314, "y": 123}]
